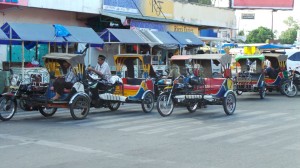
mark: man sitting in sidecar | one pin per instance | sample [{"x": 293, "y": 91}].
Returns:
[
  {"x": 270, "y": 71},
  {"x": 65, "y": 82}
]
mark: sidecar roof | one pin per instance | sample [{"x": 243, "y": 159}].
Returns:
[
  {"x": 278, "y": 56},
  {"x": 73, "y": 59},
  {"x": 256, "y": 56},
  {"x": 197, "y": 57}
]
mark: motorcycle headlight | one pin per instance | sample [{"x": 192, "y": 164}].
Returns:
[
  {"x": 168, "y": 81},
  {"x": 14, "y": 80}
]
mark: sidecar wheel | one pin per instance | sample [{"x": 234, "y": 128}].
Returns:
[
  {"x": 163, "y": 108},
  {"x": 229, "y": 103},
  {"x": 148, "y": 102},
  {"x": 8, "y": 108},
  {"x": 47, "y": 112},
  {"x": 114, "y": 106},
  {"x": 192, "y": 107},
  {"x": 80, "y": 107}
]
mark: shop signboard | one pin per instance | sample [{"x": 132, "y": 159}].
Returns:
[
  {"x": 183, "y": 28},
  {"x": 248, "y": 16}
]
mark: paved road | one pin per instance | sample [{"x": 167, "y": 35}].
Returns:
[{"x": 261, "y": 133}]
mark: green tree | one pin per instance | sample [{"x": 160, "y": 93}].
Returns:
[
  {"x": 241, "y": 33},
  {"x": 289, "y": 36},
  {"x": 260, "y": 35}
]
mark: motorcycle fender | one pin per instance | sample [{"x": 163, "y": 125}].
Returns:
[
  {"x": 227, "y": 92},
  {"x": 146, "y": 93},
  {"x": 78, "y": 87},
  {"x": 81, "y": 94},
  {"x": 8, "y": 94}
]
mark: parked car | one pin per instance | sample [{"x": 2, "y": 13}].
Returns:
[{"x": 293, "y": 59}]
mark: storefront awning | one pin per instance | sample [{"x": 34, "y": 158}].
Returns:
[
  {"x": 186, "y": 38},
  {"x": 83, "y": 35},
  {"x": 30, "y": 32},
  {"x": 3, "y": 38},
  {"x": 273, "y": 46},
  {"x": 125, "y": 36},
  {"x": 44, "y": 33},
  {"x": 161, "y": 39}
]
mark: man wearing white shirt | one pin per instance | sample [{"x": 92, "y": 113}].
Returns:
[{"x": 102, "y": 69}]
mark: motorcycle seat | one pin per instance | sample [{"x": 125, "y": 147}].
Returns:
[{"x": 65, "y": 90}]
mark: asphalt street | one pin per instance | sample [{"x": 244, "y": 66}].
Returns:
[{"x": 262, "y": 133}]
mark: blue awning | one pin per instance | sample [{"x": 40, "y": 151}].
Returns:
[
  {"x": 273, "y": 46},
  {"x": 165, "y": 38},
  {"x": 83, "y": 35},
  {"x": 125, "y": 36},
  {"x": 186, "y": 38},
  {"x": 229, "y": 45},
  {"x": 3, "y": 38},
  {"x": 43, "y": 33},
  {"x": 161, "y": 39},
  {"x": 31, "y": 32}
]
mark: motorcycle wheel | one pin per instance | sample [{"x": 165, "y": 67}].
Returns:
[
  {"x": 148, "y": 102},
  {"x": 80, "y": 107},
  {"x": 229, "y": 103},
  {"x": 192, "y": 107},
  {"x": 8, "y": 108},
  {"x": 163, "y": 108},
  {"x": 47, "y": 112},
  {"x": 113, "y": 106},
  {"x": 289, "y": 90}
]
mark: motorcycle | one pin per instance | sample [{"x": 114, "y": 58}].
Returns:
[
  {"x": 108, "y": 98},
  {"x": 290, "y": 86},
  {"x": 26, "y": 95},
  {"x": 179, "y": 93}
]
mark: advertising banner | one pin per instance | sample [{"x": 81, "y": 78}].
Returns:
[
  {"x": 148, "y": 25},
  {"x": 265, "y": 4},
  {"x": 151, "y": 8},
  {"x": 158, "y": 8},
  {"x": 121, "y": 6},
  {"x": 14, "y": 2}
]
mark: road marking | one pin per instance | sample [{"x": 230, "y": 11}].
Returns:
[
  {"x": 263, "y": 132},
  {"x": 160, "y": 130},
  {"x": 156, "y": 124},
  {"x": 59, "y": 145},
  {"x": 295, "y": 146},
  {"x": 228, "y": 132}
]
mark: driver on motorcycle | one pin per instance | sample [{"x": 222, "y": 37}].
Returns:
[
  {"x": 102, "y": 69},
  {"x": 174, "y": 72}
]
